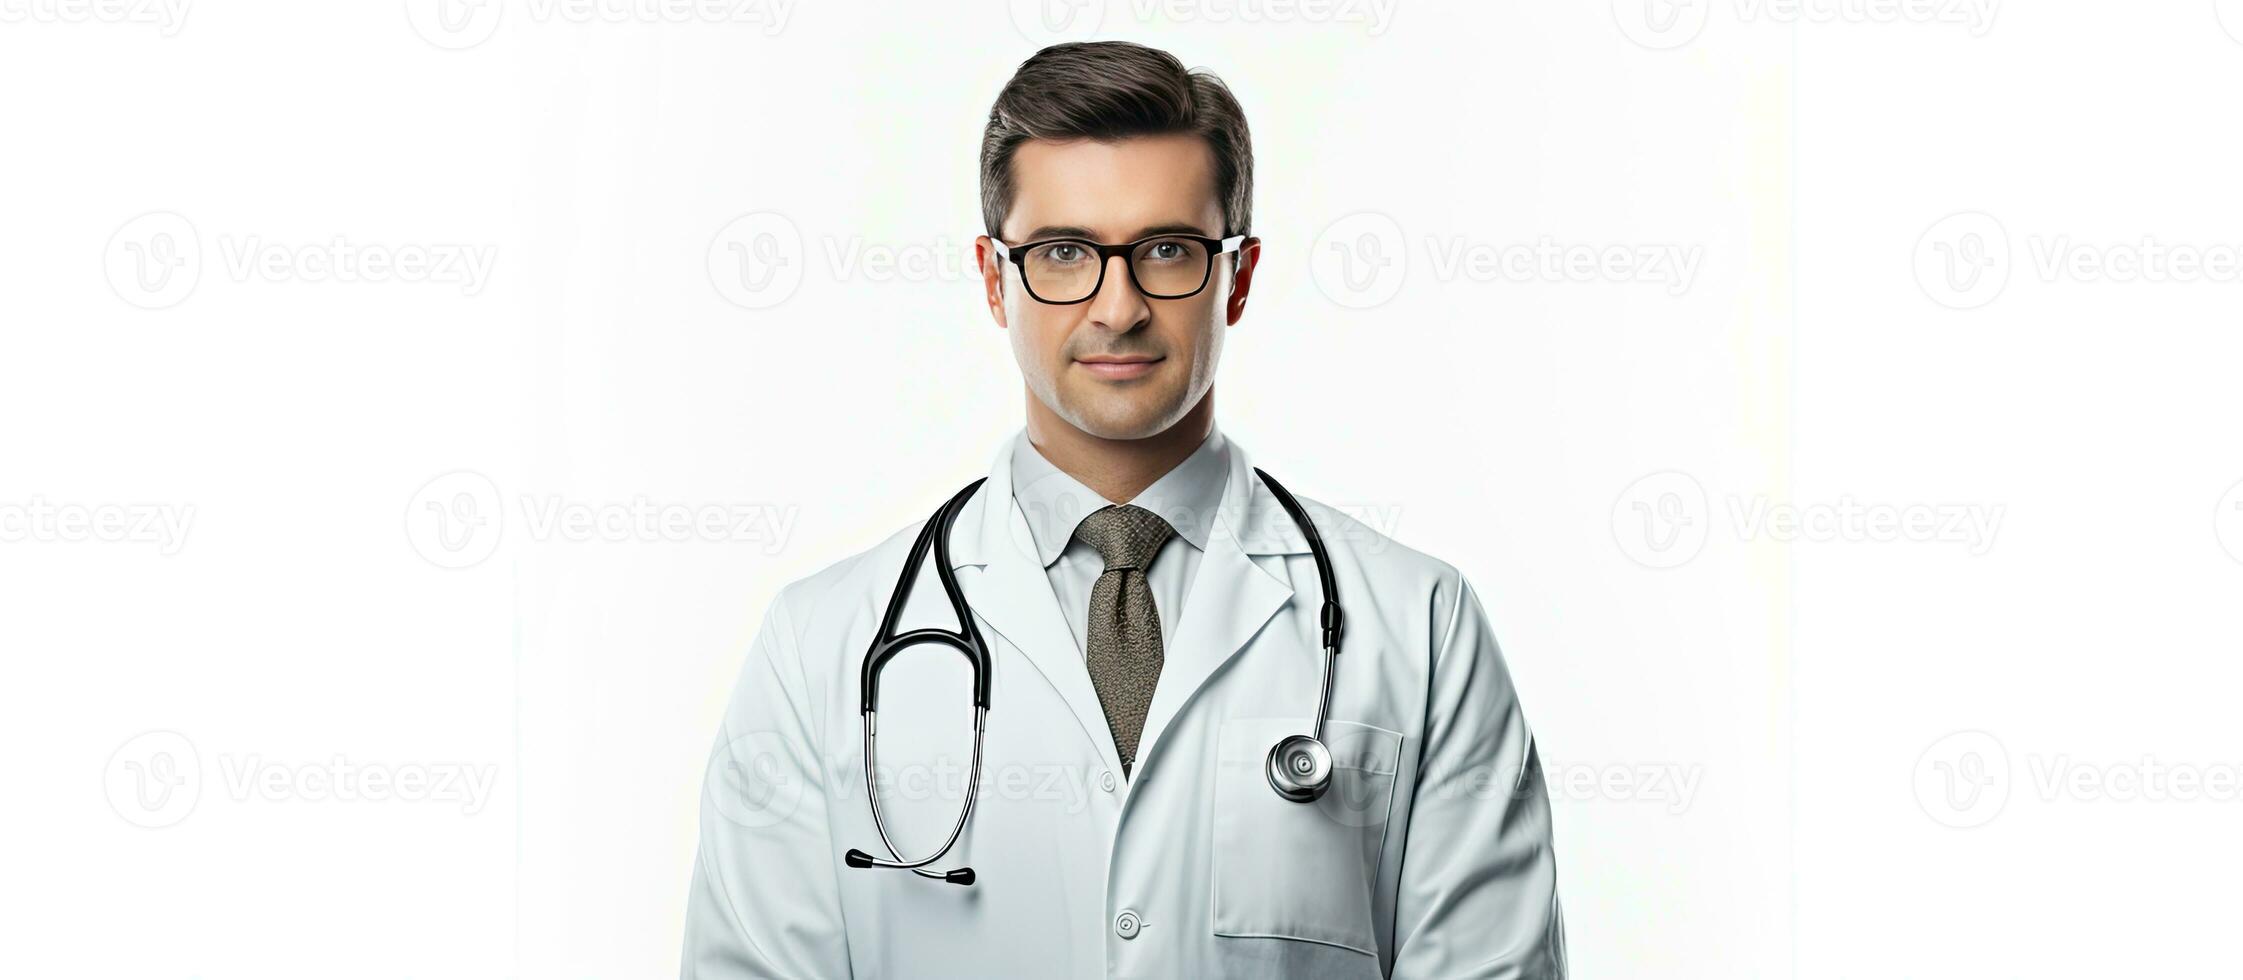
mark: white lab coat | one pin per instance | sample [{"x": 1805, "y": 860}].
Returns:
[{"x": 1430, "y": 856}]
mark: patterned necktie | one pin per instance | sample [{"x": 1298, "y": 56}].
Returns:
[{"x": 1124, "y": 644}]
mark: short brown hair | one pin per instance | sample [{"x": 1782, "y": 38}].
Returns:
[{"x": 1108, "y": 90}]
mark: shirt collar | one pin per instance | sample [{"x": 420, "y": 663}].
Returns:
[{"x": 1055, "y": 502}]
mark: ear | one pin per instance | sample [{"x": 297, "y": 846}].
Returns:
[
  {"x": 1242, "y": 281},
  {"x": 992, "y": 278}
]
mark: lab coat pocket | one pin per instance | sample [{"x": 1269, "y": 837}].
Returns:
[{"x": 1303, "y": 871}]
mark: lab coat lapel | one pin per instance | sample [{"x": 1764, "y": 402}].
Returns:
[
  {"x": 1008, "y": 588},
  {"x": 1230, "y": 599}
]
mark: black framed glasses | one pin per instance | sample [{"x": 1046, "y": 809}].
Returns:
[{"x": 1063, "y": 271}]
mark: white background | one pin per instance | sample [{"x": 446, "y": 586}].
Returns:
[{"x": 1937, "y": 729}]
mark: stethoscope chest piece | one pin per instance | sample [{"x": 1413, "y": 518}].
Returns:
[{"x": 1300, "y": 768}]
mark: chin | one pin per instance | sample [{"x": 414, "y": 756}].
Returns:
[{"x": 1111, "y": 416}]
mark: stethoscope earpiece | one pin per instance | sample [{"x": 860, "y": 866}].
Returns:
[{"x": 1300, "y": 768}]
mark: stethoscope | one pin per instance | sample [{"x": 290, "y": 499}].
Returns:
[{"x": 1299, "y": 767}]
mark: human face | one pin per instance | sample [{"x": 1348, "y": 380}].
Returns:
[{"x": 1121, "y": 365}]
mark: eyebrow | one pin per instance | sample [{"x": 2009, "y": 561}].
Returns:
[{"x": 1076, "y": 231}]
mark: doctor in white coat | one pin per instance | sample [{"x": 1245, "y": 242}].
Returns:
[{"x": 1124, "y": 824}]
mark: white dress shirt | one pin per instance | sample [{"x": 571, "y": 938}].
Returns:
[{"x": 1055, "y": 503}]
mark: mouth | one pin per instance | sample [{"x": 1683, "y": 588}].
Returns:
[{"x": 1118, "y": 368}]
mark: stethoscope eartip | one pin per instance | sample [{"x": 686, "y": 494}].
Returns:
[{"x": 1300, "y": 768}]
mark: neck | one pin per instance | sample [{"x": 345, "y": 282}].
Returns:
[{"x": 1118, "y": 469}]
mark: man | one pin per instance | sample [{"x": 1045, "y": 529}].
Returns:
[{"x": 1144, "y": 655}]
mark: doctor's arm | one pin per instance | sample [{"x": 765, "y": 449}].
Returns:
[
  {"x": 1478, "y": 895},
  {"x": 765, "y": 901}
]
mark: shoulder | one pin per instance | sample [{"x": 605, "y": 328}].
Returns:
[
  {"x": 839, "y": 591},
  {"x": 1396, "y": 575},
  {"x": 838, "y": 606}
]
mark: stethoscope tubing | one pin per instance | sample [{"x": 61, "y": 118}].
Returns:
[
  {"x": 967, "y": 640},
  {"x": 885, "y": 644},
  {"x": 973, "y": 791}
]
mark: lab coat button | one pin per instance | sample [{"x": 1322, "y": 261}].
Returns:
[
  {"x": 1106, "y": 780},
  {"x": 1126, "y": 924}
]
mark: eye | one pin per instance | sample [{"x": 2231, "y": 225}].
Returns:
[
  {"x": 1065, "y": 252},
  {"x": 1180, "y": 253}
]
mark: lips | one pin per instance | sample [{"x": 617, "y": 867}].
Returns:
[{"x": 1118, "y": 368}]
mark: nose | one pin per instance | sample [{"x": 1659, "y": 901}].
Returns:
[{"x": 1119, "y": 306}]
